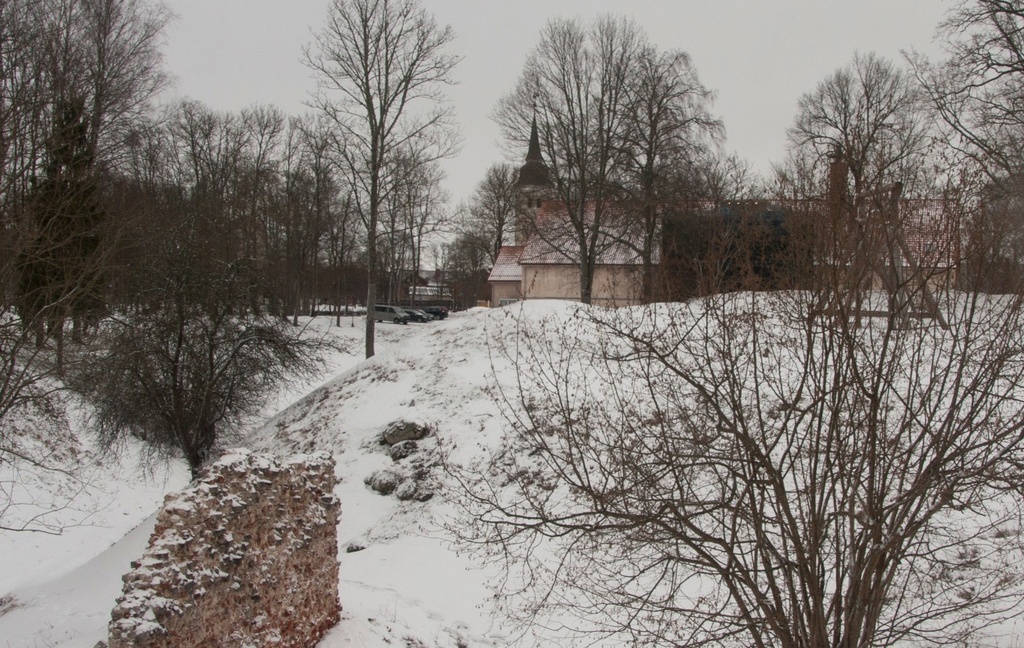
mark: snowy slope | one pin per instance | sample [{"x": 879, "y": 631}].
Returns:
[
  {"x": 407, "y": 585},
  {"x": 58, "y": 590}
]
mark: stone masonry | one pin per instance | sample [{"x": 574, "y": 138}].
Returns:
[{"x": 245, "y": 556}]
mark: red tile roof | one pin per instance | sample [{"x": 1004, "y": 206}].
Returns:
[{"x": 506, "y": 266}]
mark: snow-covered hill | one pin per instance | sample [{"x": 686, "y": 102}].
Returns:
[
  {"x": 402, "y": 579},
  {"x": 406, "y": 583}
]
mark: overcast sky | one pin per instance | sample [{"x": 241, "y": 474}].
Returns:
[{"x": 759, "y": 56}]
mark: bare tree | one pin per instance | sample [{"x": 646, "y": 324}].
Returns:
[
  {"x": 60, "y": 269},
  {"x": 381, "y": 66},
  {"x": 411, "y": 212},
  {"x": 34, "y": 437},
  {"x": 577, "y": 81},
  {"x": 992, "y": 258},
  {"x": 720, "y": 177},
  {"x": 977, "y": 90},
  {"x": 256, "y": 182},
  {"x": 427, "y": 217},
  {"x": 342, "y": 240},
  {"x": 210, "y": 151},
  {"x": 95, "y": 65},
  {"x": 763, "y": 469},
  {"x": 669, "y": 132},
  {"x": 307, "y": 193},
  {"x": 466, "y": 270},
  {"x": 874, "y": 115},
  {"x": 492, "y": 210},
  {"x": 331, "y": 221},
  {"x": 22, "y": 106},
  {"x": 75, "y": 77},
  {"x": 196, "y": 360},
  {"x": 123, "y": 65}
]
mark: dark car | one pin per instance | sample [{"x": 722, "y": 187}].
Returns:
[
  {"x": 439, "y": 312},
  {"x": 416, "y": 315}
]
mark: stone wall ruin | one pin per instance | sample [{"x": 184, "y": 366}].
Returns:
[{"x": 245, "y": 556}]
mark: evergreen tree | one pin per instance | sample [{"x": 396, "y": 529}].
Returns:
[{"x": 61, "y": 271}]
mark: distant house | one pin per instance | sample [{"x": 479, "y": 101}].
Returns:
[
  {"x": 506, "y": 278},
  {"x": 549, "y": 263},
  {"x": 541, "y": 264},
  {"x": 427, "y": 288}
]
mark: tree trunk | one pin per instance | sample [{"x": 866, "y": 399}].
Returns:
[{"x": 371, "y": 272}]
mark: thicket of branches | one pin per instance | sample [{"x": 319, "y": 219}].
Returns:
[
  {"x": 746, "y": 470},
  {"x": 195, "y": 358},
  {"x": 74, "y": 76},
  {"x": 831, "y": 466},
  {"x": 838, "y": 464}
]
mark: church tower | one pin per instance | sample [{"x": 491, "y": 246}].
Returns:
[{"x": 532, "y": 187}]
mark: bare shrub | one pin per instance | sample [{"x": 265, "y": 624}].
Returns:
[{"x": 758, "y": 469}]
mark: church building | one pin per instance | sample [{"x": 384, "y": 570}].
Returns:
[{"x": 542, "y": 263}]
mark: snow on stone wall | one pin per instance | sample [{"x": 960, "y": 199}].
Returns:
[{"x": 245, "y": 556}]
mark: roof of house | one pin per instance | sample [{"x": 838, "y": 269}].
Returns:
[
  {"x": 506, "y": 266},
  {"x": 554, "y": 241}
]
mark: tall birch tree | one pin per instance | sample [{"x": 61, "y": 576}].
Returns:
[{"x": 382, "y": 68}]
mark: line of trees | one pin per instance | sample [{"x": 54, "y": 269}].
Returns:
[
  {"x": 74, "y": 78},
  {"x": 265, "y": 189},
  {"x": 180, "y": 245}
]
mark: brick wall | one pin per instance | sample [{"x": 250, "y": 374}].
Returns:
[{"x": 245, "y": 556}]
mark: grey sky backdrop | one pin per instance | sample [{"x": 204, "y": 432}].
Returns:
[{"x": 759, "y": 56}]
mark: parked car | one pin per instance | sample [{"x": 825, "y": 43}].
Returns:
[
  {"x": 416, "y": 315},
  {"x": 439, "y": 312},
  {"x": 386, "y": 313}
]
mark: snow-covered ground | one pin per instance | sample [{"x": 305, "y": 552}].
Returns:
[
  {"x": 402, "y": 580},
  {"x": 408, "y": 584}
]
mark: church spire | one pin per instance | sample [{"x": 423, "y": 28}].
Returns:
[
  {"x": 534, "y": 153},
  {"x": 534, "y": 173}
]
